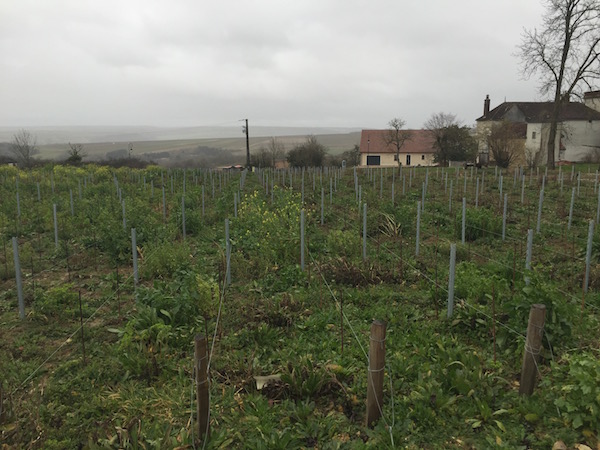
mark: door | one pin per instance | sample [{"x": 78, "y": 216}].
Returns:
[
  {"x": 373, "y": 160},
  {"x": 408, "y": 160}
]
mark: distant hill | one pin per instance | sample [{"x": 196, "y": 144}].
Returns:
[
  {"x": 206, "y": 146},
  {"x": 86, "y": 135}
]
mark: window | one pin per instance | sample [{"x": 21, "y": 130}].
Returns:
[
  {"x": 396, "y": 157},
  {"x": 533, "y": 135},
  {"x": 373, "y": 160},
  {"x": 422, "y": 157}
]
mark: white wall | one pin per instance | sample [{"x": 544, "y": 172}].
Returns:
[
  {"x": 387, "y": 159},
  {"x": 581, "y": 137}
]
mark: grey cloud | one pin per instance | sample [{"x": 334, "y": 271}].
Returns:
[{"x": 191, "y": 62}]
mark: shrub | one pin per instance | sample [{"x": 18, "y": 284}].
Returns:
[
  {"x": 58, "y": 300},
  {"x": 163, "y": 259},
  {"x": 578, "y": 398},
  {"x": 479, "y": 223},
  {"x": 268, "y": 236}
]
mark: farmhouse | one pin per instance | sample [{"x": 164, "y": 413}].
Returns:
[
  {"x": 418, "y": 150},
  {"x": 578, "y": 133}
]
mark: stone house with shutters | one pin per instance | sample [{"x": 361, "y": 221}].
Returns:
[
  {"x": 416, "y": 151},
  {"x": 578, "y": 133}
]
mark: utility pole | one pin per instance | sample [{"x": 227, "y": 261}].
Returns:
[{"x": 245, "y": 130}]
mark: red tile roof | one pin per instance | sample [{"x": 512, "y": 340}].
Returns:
[{"x": 373, "y": 141}]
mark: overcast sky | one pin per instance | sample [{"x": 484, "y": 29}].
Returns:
[{"x": 343, "y": 63}]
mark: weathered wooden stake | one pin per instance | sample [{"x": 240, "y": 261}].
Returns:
[
  {"x": 375, "y": 372},
  {"x": 201, "y": 375},
  {"x": 533, "y": 346}
]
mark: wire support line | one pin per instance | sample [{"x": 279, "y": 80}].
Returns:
[
  {"x": 511, "y": 238},
  {"x": 519, "y": 271},
  {"x": 370, "y": 378},
  {"x": 65, "y": 342},
  {"x": 463, "y": 301},
  {"x": 221, "y": 301},
  {"x": 339, "y": 306},
  {"x": 112, "y": 296}
]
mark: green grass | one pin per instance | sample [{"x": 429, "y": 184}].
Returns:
[{"x": 448, "y": 383}]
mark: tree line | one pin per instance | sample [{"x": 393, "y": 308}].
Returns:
[{"x": 452, "y": 142}]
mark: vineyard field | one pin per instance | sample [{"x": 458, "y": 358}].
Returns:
[{"x": 108, "y": 275}]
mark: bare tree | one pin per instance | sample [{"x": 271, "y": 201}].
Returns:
[
  {"x": 396, "y": 136},
  {"x": 75, "y": 153},
  {"x": 438, "y": 122},
  {"x": 564, "y": 53},
  {"x": 260, "y": 158},
  {"x": 505, "y": 143},
  {"x": 443, "y": 127},
  {"x": 23, "y": 147},
  {"x": 267, "y": 156},
  {"x": 532, "y": 157},
  {"x": 276, "y": 150}
]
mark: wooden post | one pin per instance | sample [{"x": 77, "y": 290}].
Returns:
[
  {"x": 533, "y": 345},
  {"x": 201, "y": 368},
  {"x": 375, "y": 372}
]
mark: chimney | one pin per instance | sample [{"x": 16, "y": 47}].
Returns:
[{"x": 486, "y": 106}]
